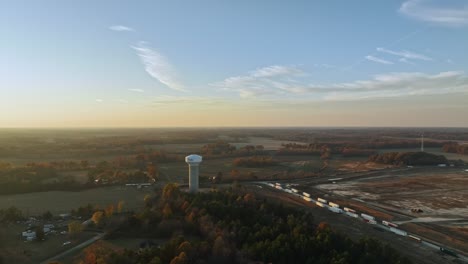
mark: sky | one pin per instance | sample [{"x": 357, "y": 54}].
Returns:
[{"x": 219, "y": 63}]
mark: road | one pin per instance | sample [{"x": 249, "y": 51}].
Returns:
[{"x": 75, "y": 248}]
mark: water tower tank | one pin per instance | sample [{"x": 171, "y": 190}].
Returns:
[{"x": 193, "y": 162}]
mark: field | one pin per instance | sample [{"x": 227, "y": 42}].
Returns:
[
  {"x": 438, "y": 194},
  {"x": 63, "y": 202},
  {"x": 384, "y": 190}
]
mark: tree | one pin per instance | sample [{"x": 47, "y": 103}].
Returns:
[
  {"x": 10, "y": 215},
  {"x": 40, "y": 235},
  {"x": 47, "y": 215},
  {"x": 97, "y": 217},
  {"x": 75, "y": 228},
  {"x": 109, "y": 210},
  {"x": 180, "y": 259},
  {"x": 167, "y": 211},
  {"x": 152, "y": 171},
  {"x": 120, "y": 206}
]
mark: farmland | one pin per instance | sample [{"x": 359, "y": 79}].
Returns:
[{"x": 64, "y": 170}]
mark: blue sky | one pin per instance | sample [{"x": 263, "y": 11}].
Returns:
[{"x": 149, "y": 63}]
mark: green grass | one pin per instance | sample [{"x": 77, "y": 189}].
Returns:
[{"x": 63, "y": 202}]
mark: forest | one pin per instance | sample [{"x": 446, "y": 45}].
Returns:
[
  {"x": 455, "y": 148},
  {"x": 233, "y": 226},
  {"x": 408, "y": 158}
]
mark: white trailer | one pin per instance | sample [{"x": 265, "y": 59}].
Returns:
[
  {"x": 271, "y": 184},
  {"x": 279, "y": 187},
  {"x": 368, "y": 217},
  {"x": 386, "y": 223},
  {"x": 278, "y": 184},
  {"x": 335, "y": 210},
  {"x": 320, "y": 204},
  {"x": 415, "y": 238},
  {"x": 349, "y": 210},
  {"x": 354, "y": 215},
  {"x": 334, "y": 205},
  {"x": 398, "y": 231},
  {"x": 322, "y": 200},
  {"x": 306, "y": 194},
  {"x": 294, "y": 190},
  {"x": 307, "y": 199}
]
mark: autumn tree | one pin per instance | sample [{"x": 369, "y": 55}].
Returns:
[
  {"x": 120, "y": 206},
  {"x": 180, "y": 259},
  {"x": 97, "y": 217},
  {"x": 109, "y": 210},
  {"x": 153, "y": 171},
  {"x": 74, "y": 228},
  {"x": 167, "y": 211}
]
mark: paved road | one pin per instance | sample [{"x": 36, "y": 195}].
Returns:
[{"x": 77, "y": 247}]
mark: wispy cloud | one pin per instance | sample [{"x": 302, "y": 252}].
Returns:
[
  {"x": 99, "y": 100},
  {"x": 396, "y": 84},
  {"x": 261, "y": 81},
  {"x": 405, "y": 60},
  {"x": 137, "y": 90},
  {"x": 405, "y": 54},
  {"x": 275, "y": 70},
  {"x": 383, "y": 85},
  {"x": 121, "y": 28},
  {"x": 157, "y": 66},
  {"x": 437, "y": 12},
  {"x": 378, "y": 60}
]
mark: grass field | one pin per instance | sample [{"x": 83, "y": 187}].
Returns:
[{"x": 62, "y": 202}]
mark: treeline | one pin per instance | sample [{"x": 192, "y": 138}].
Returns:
[
  {"x": 224, "y": 149},
  {"x": 455, "y": 148},
  {"x": 108, "y": 173},
  {"x": 38, "y": 179},
  {"x": 255, "y": 162},
  {"x": 408, "y": 158},
  {"x": 233, "y": 226},
  {"x": 10, "y": 215},
  {"x": 315, "y": 149}
]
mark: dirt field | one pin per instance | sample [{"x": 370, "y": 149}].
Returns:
[{"x": 440, "y": 194}]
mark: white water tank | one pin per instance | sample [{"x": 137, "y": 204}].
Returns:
[{"x": 193, "y": 162}]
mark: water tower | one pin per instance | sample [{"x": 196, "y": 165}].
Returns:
[{"x": 193, "y": 162}]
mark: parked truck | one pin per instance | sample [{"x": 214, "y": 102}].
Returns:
[
  {"x": 386, "y": 223},
  {"x": 322, "y": 200}
]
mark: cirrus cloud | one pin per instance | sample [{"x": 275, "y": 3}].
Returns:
[
  {"x": 382, "y": 85},
  {"x": 157, "y": 66},
  {"x": 438, "y": 13},
  {"x": 121, "y": 28}
]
